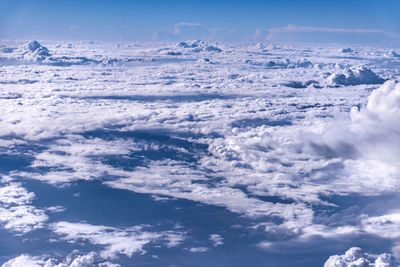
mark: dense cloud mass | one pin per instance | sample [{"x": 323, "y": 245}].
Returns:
[
  {"x": 360, "y": 75},
  {"x": 357, "y": 257},
  {"x": 154, "y": 153},
  {"x": 369, "y": 137},
  {"x": 72, "y": 260}
]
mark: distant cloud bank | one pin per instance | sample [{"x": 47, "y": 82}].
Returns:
[{"x": 287, "y": 34}]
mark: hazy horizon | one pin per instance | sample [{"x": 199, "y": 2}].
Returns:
[{"x": 349, "y": 22}]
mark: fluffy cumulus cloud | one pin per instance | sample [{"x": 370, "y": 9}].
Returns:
[
  {"x": 368, "y": 138},
  {"x": 360, "y": 75},
  {"x": 75, "y": 259},
  {"x": 357, "y": 257},
  {"x": 24, "y": 260}
]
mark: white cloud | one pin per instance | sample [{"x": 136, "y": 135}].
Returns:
[
  {"x": 14, "y": 193},
  {"x": 216, "y": 239},
  {"x": 114, "y": 240},
  {"x": 165, "y": 178},
  {"x": 324, "y": 34},
  {"x": 295, "y": 28},
  {"x": 25, "y": 260},
  {"x": 75, "y": 259},
  {"x": 385, "y": 226},
  {"x": 194, "y": 31},
  {"x": 183, "y": 31},
  {"x": 22, "y": 218},
  {"x": 218, "y": 129},
  {"x": 73, "y": 27},
  {"x": 198, "y": 249},
  {"x": 183, "y": 27},
  {"x": 357, "y": 257},
  {"x": 357, "y": 76},
  {"x": 16, "y": 212},
  {"x": 366, "y": 143}
]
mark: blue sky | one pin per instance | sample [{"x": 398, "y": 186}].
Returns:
[{"x": 364, "y": 21}]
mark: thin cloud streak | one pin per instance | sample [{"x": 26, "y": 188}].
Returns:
[{"x": 295, "y": 28}]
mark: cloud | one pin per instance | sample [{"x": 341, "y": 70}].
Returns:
[
  {"x": 22, "y": 218},
  {"x": 294, "y": 28},
  {"x": 326, "y": 34},
  {"x": 289, "y": 33},
  {"x": 141, "y": 128},
  {"x": 73, "y": 27},
  {"x": 114, "y": 240},
  {"x": 25, "y": 260},
  {"x": 385, "y": 226},
  {"x": 356, "y": 76},
  {"x": 16, "y": 212},
  {"x": 194, "y": 31},
  {"x": 367, "y": 144},
  {"x": 355, "y": 256},
  {"x": 74, "y": 259},
  {"x": 259, "y": 35},
  {"x": 178, "y": 179},
  {"x": 198, "y": 249},
  {"x": 185, "y": 27},
  {"x": 216, "y": 239},
  {"x": 183, "y": 31}
]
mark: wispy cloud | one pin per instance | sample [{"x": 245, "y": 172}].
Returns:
[
  {"x": 290, "y": 33},
  {"x": 182, "y": 30},
  {"x": 310, "y": 29},
  {"x": 190, "y": 30},
  {"x": 73, "y": 27},
  {"x": 183, "y": 27}
]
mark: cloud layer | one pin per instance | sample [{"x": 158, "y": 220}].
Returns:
[{"x": 285, "y": 148}]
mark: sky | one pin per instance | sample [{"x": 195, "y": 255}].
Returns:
[{"x": 353, "y": 21}]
